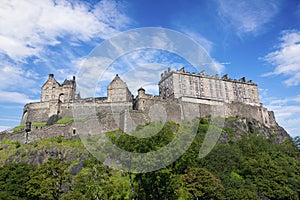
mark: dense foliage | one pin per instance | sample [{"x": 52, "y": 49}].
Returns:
[{"x": 251, "y": 167}]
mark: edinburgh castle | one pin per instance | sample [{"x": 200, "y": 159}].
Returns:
[{"x": 182, "y": 96}]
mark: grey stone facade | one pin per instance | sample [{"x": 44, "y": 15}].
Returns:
[
  {"x": 53, "y": 91},
  {"x": 176, "y": 84},
  {"x": 215, "y": 96}
]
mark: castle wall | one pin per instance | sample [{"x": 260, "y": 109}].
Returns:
[
  {"x": 176, "y": 84},
  {"x": 65, "y": 130},
  {"x": 102, "y": 116},
  {"x": 183, "y": 96},
  {"x": 35, "y": 112},
  {"x": 258, "y": 113}
]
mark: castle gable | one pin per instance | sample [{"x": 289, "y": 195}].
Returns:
[
  {"x": 117, "y": 82},
  {"x": 118, "y": 91},
  {"x": 53, "y": 91}
]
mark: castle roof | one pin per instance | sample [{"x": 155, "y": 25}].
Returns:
[
  {"x": 141, "y": 89},
  {"x": 51, "y": 76},
  {"x": 117, "y": 82},
  {"x": 69, "y": 82},
  {"x": 66, "y": 82}
]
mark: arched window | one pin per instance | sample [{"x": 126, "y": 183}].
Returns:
[
  {"x": 61, "y": 97},
  {"x": 25, "y": 115}
]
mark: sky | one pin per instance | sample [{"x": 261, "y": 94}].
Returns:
[{"x": 257, "y": 39}]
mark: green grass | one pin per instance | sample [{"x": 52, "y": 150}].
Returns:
[
  {"x": 231, "y": 119},
  {"x": 22, "y": 126},
  {"x": 57, "y": 141},
  {"x": 41, "y": 124},
  {"x": 67, "y": 120},
  {"x": 8, "y": 148},
  {"x": 6, "y": 141}
]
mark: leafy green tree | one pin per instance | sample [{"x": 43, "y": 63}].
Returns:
[
  {"x": 198, "y": 183},
  {"x": 96, "y": 181},
  {"x": 154, "y": 185},
  {"x": 241, "y": 193},
  {"x": 49, "y": 180},
  {"x": 269, "y": 177},
  {"x": 12, "y": 180}
]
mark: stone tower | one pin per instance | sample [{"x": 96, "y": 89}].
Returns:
[
  {"x": 117, "y": 91},
  {"x": 53, "y": 91}
]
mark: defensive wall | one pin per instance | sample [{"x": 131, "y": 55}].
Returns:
[{"x": 121, "y": 110}]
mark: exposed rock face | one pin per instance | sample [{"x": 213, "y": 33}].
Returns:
[
  {"x": 245, "y": 125},
  {"x": 37, "y": 156},
  {"x": 233, "y": 129}
]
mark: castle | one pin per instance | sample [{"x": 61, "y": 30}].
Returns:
[
  {"x": 182, "y": 95},
  {"x": 178, "y": 84}
]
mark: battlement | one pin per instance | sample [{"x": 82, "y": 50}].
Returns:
[
  {"x": 182, "y": 95},
  {"x": 177, "y": 84}
]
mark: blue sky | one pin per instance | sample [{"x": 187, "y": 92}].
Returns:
[{"x": 256, "y": 39}]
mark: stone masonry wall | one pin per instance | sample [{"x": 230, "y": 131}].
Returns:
[{"x": 103, "y": 116}]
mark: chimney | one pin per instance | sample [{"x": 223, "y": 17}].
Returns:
[
  {"x": 225, "y": 77},
  {"x": 141, "y": 92},
  {"x": 243, "y": 79},
  {"x": 51, "y": 75}
]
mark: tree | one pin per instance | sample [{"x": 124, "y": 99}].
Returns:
[
  {"x": 49, "y": 180},
  {"x": 154, "y": 185},
  {"x": 199, "y": 183},
  {"x": 12, "y": 180},
  {"x": 96, "y": 181}
]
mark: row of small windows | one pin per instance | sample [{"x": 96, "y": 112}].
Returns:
[
  {"x": 194, "y": 86},
  {"x": 62, "y": 96},
  {"x": 53, "y": 89},
  {"x": 47, "y": 97}
]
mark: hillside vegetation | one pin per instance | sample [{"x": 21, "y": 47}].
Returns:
[{"x": 247, "y": 163}]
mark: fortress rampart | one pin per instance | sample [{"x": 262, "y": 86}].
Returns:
[{"x": 183, "y": 96}]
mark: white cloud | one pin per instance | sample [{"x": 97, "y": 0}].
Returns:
[
  {"x": 286, "y": 58},
  {"x": 14, "y": 77},
  {"x": 15, "y": 97},
  {"x": 207, "y": 45},
  {"x": 28, "y": 26},
  {"x": 9, "y": 120},
  {"x": 287, "y": 112},
  {"x": 247, "y": 16},
  {"x": 36, "y": 34}
]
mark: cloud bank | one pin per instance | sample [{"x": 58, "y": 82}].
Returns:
[
  {"x": 247, "y": 16},
  {"x": 286, "y": 57}
]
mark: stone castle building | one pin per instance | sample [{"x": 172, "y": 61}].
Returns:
[
  {"x": 52, "y": 90},
  {"x": 182, "y": 96},
  {"x": 177, "y": 84},
  {"x": 118, "y": 91}
]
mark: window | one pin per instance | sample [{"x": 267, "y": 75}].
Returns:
[
  {"x": 46, "y": 97},
  {"x": 47, "y": 89},
  {"x": 53, "y": 89}
]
